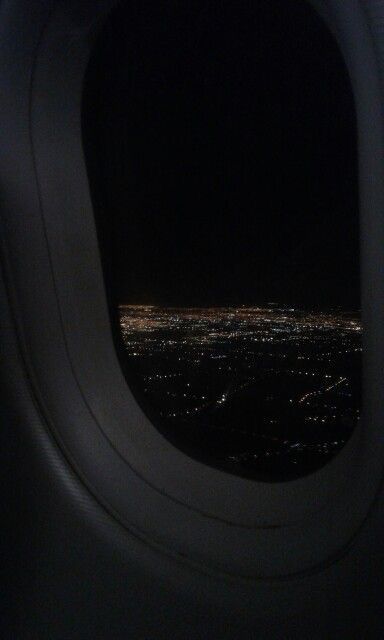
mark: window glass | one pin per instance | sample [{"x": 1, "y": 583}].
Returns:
[{"x": 221, "y": 149}]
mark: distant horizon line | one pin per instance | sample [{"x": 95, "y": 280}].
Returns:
[{"x": 284, "y": 306}]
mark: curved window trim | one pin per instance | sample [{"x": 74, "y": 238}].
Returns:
[{"x": 54, "y": 275}]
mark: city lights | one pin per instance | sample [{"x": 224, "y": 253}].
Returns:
[{"x": 267, "y": 386}]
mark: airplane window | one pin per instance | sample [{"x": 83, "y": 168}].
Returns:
[{"x": 220, "y": 142}]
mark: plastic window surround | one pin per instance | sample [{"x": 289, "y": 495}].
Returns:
[{"x": 222, "y": 523}]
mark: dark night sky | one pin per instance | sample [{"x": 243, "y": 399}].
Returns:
[{"x": 220, "y": 139}]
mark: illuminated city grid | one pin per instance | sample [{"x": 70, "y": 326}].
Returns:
[{"x": 267, "y": 390}]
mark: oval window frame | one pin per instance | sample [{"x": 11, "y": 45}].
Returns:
[{"x": 53, "y": 263}]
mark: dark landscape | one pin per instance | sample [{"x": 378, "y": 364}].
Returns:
[{"x": 268, "y": 392}]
